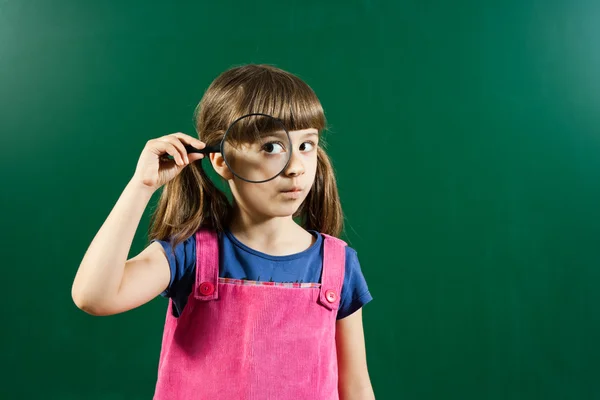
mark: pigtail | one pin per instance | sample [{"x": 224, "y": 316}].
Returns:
[
  {"x": 322, "y": 210},
  {"x": 187, "y": 203}
]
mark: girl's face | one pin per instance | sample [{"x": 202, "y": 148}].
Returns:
[{"x": 282, "y": 196}]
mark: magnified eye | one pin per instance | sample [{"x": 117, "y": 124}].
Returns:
[{"x": 273, "y": 148}]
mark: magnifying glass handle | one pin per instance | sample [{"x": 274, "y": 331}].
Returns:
[{"x": 208, "y": 149}]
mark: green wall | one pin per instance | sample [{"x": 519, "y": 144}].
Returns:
[{"x": 466, "y": 141}]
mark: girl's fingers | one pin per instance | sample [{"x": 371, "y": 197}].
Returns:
[
  {"x": 195, "y": 156},
  {"x": 187, "y": 139},
  {"x": 165, "y": 146},
  {"x": 174, "y": 141}
]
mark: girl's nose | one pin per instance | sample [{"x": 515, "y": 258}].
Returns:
[{"x": 295, "y": 167}]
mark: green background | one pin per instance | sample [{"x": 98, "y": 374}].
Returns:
[{"x": 465, "y": 136}]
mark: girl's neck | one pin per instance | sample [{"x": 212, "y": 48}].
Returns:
[{"x": 274, "y": 236}]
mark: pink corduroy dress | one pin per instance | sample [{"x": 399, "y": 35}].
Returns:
[{"x": 238, "y": 340}]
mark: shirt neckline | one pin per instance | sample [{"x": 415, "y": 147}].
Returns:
[{"x": 287, "y": 257}]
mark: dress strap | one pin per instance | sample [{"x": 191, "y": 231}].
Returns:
[
  {"x": 207, "y": 265},
  {"x": 334, "y": 267}
]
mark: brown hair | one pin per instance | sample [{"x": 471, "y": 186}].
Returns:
[{"x": 192, "y": 201}]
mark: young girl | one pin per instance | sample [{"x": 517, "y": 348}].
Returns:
[{"x": 264, "y": 301}]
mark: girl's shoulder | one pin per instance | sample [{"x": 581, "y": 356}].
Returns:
[{"x": 182, "y": 260}]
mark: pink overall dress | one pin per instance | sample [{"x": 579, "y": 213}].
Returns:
[{"x": 238, "y": 340}]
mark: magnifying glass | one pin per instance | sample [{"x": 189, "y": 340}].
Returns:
[{"x": 256, "y": 147}]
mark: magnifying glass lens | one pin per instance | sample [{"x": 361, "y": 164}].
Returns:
[{"x": 257, "y": 148}]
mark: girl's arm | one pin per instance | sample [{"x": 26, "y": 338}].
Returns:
[
  {"x": 106, "y": 282},
  {"x": 354, "y": 382}
]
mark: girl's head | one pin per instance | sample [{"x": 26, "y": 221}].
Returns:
[{"x": 191, "y": 200}]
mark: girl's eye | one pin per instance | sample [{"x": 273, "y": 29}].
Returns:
[
  {"x": 307, "y": 146},
  {"x": 273, "y": 148}
]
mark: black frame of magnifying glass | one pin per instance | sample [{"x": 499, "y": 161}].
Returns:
[{"x": 219, "y": 147}]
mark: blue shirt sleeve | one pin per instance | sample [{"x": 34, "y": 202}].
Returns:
[
  {"x": 182, "y": 263},
  {"x": 355, "y": 292}
]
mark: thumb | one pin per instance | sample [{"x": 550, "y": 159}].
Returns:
[{"x": 195, "y": 156}]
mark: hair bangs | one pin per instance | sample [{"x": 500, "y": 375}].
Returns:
[{"x": 283, "y": 96}]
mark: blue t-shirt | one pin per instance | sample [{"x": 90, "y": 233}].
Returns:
[{"x": 238, "y": 261}]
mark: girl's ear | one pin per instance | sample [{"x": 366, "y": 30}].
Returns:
[{"x": 218, "y": 163}]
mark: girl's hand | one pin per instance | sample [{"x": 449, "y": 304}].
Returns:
[{"x": 154, "y": 169}]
